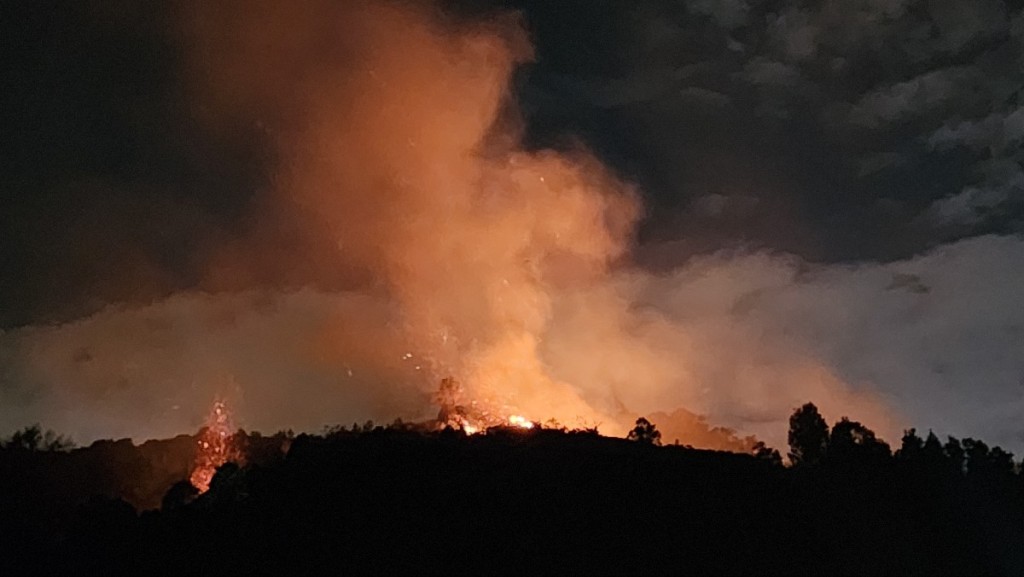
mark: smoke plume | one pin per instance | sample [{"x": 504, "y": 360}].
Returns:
[
  {"x": 407, "y": 235},
  {"x": 399, "y": 153}
]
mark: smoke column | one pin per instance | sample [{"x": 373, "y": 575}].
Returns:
[{"x": 407, "y": 235}]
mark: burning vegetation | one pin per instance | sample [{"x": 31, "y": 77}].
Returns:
[
  {"x": 472, "y": 416},
  {"x": 215, "y": 446}
]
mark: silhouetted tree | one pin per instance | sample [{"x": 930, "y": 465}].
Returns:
[
  {"x": 808, "y": 436},
  {"x": 32, "y": 438},
  {"x": 911, "y": 446},
  {"x": 976, "y": 454},
  {"x": 55, "y": 442},
  {"x": 645, "y": 432},
  {"x": 954, "y": 453},
  {"x": 1001, "y": 461},
  {"x": 852, "y": 440},
  {"x": 332, "y": 431},
  {"x": 982, "y": 462}
]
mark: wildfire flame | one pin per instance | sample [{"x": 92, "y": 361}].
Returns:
[
  {"x": 520, "y": 421},
  {"x": 214, "y": 447},
  {"x": 472, "y": 416}
]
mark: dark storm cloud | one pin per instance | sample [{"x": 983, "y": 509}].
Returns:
[
  {"x": 896, "y": 117},
  {"x": 111, "y": 187}
]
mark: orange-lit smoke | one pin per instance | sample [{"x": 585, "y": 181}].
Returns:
[
  {"x": 401, "y": 159},
  {"x": 409, "y": 236},
  {"x": 400, "y": 173}
]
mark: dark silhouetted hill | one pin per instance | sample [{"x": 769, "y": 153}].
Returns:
[{"x": 403, "y": 501}]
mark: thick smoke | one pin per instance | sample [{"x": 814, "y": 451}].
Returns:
[
  {"x": 399, "y": 154},
  {"x": 416, "y": 238}
]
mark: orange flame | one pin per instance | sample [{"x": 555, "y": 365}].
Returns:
[
  {"x": 520, "y": 421},
  {"x": 473, "y": 416},
  {"x": 214, "y": 447}
]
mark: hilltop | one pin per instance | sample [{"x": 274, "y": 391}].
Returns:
[{"x": 406, "y": 500}]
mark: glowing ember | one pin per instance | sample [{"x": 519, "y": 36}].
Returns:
[{"x": 214, "y": 447}]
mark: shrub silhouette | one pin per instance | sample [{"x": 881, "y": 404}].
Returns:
[
  {"x": 32, "y": 438},
  {"x": 645, "y": 432},
  {"x": 765, "y": 453}
]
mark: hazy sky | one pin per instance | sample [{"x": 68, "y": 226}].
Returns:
[{"x": 750, "y": 204}]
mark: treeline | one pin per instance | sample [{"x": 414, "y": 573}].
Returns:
[
  {"x": 33, "y": 438},
  {"x": 407, "y": 499}
]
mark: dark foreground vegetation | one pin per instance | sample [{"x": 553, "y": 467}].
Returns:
[{"x": 403, "y": 500}]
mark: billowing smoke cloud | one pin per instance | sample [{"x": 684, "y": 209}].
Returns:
[
  {"x": 416, "y": 239},
  {"x": 395, "y": 155}
]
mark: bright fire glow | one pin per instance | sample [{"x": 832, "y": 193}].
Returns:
[
  {"x": 471, "y": 416},
  {"x": 214, "y": 447},
  {"x": 520, "y": 421}
]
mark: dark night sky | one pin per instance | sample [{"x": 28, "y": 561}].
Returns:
[
  {"x": 837, "y": 131},
  {"x": 840, "y": 180}
]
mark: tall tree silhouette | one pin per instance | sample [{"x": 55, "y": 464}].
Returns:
[
  {"x": 808, "y": 436},
  {"x": 954, "y": 451},
  {"x": 911, "y": 446}
]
